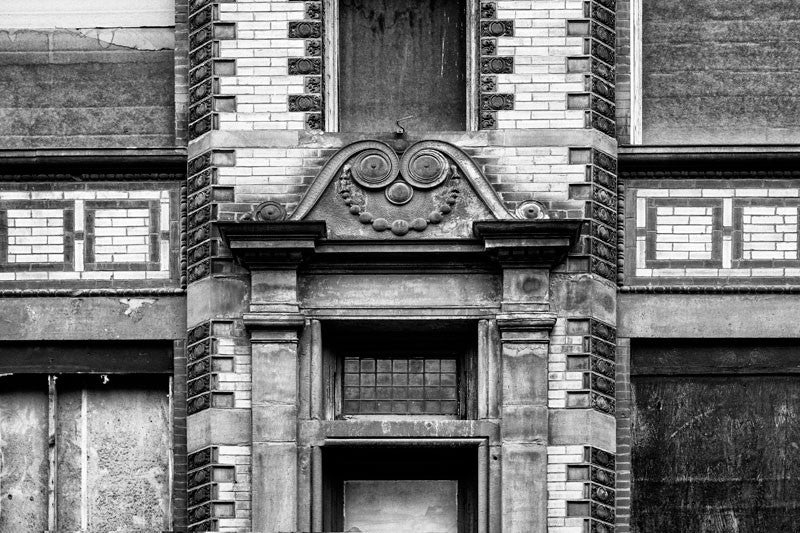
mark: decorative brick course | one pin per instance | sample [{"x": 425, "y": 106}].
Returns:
[
  {"x": 205, "y": 33},
  {"x": 714, "y": 232},
  {"x": 580, "y": 483},
  {"x": 99, "y": 234},
  {"x": 218, "y": 366},
  {"x": 219, "y": 489},
  {"x": 203, "y": 196}
]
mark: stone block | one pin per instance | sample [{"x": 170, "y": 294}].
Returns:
[
  {"x": 525, "y": 423},
  {"x": 524, "y": 373},
  {"x": 274, "y": 485},
  {"x": 274, "y": 371},
  {"x": 524, "y": 488},
  {"x": 272, "y": 423}
]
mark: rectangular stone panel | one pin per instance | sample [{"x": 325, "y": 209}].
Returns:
[{"x": 720, "y": 72}]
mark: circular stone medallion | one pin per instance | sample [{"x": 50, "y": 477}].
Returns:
[
  {"x": 427, "y": 169},
  {"x": 399, "y": 193},
  {"x": 373, "y": 169}
]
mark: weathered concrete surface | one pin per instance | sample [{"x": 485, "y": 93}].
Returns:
[
  {"x": 23, "y": 454},
  {"x": 582, "y": 426},
  {"x": 400, "y": 290},
  {"x": 583, "y": 295},
  {"x": 219, "y": 427},
  {"x": 524, "y": 374},
  {"x": 315, "y": 432},
  {"x": 718, "y": 72},
  {"x": 87, "y": 88},
  {"x": 93, "y": 318},
  {"x": 216, "y": 297},
  {"x": 275, "y": 488},
  {"x": 87, "y": 13},
  {"x": 274, "y": 430},
  {"x": 128, "y": 458},
  {"x": 707, "y": 315},
  {"x": 524, "y": 488}
]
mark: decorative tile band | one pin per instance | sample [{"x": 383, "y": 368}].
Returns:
[
  {"x": 596, "y": 363},
  {"x": 100, "y": 234},
  {"x": 489, "y": 101},
  {"x": 206, "y": 476},
  {"x": 215, "y": 348},
  {"x": 716, "y": 232},
  {"x": 311, "y": 30},
  {"x": 598, "y": 31},
  {"x": 205, "y": 32},
  {"x": 600, "y": 239},
  {"x": 203, "y": 194},
  {"x": 596, "y": 473}
]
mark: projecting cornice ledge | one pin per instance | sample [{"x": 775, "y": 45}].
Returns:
[
  {"x": 540, "y": 243},
  {"x": 272, "y": 244},
  {"x": 513, "y": 243}
]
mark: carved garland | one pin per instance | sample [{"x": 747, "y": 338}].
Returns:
[{"x": 399, "y": 193}]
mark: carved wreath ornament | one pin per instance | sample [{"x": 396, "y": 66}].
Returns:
[{"x": 420, "y": 169}]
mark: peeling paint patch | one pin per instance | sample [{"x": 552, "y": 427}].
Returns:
[{"x": 136, "y": 306}]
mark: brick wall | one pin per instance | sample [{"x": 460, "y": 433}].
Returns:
[{"x": 261, "y": 51}]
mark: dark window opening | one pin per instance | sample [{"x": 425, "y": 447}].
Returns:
[
  {"x": 400, "y": 489},
  {"x": 400, "y": 58}
]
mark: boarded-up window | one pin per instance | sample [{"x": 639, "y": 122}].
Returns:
[
  {"x": 108, "y": 457},
  {"x": 715, "y": 434},
  {"x": 399, "y": 58}
]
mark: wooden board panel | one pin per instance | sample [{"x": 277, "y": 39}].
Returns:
[
  {"x": 715, "y": 356},
  {"x": 23, "y": 454},
  {"x": 79, "y": 357},
  {"x": 400, "y": 58},
  {"x": 716, "y": 454}
]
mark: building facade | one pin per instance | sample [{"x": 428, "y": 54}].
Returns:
[{"x": 358, "y": 265}]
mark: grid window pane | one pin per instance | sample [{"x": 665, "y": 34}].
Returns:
[{"x": 400, "y": 386}]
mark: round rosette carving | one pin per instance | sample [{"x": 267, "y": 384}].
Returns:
[
  {"x": 374, "y": 168},
  {"x": 532, "y": 210},
  {"x": 424, "y": 168}
]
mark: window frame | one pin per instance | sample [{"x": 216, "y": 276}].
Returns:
[
  {"x": 449, "y": 342},
  {"x": 331, "y": 65}
]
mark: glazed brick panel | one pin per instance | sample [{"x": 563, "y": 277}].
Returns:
[
  {"x": 98, "y": 235},
  {"x": 718, "y": 232}
]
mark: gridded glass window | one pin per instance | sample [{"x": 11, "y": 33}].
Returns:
[
  {"x": 400, "y": 368},
  {"x": 401, "y": 386}
]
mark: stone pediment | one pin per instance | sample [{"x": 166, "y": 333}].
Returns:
[{"x": 433, "y": 190}]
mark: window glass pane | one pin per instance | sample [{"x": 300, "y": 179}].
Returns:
[
  {"x": 400, "y": 58},
  {"x": 401, "y": 506},
  {"x": 400, "y": 386}
]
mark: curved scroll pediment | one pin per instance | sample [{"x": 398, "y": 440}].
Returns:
[{"x": 432, "y": 190}]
